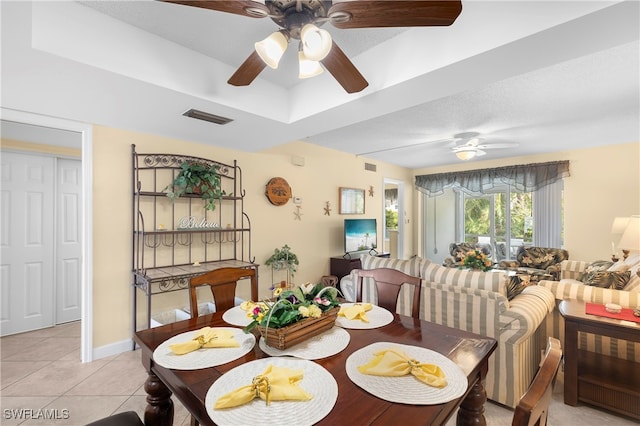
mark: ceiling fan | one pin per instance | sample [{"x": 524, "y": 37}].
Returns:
[
  {"x": 301, "y": 19},
  {"x": 472, "y": 146}
]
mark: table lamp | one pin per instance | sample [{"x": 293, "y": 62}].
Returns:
[
  {"x": 630, "y": 239},
  {"x": 617, "y": 229}
]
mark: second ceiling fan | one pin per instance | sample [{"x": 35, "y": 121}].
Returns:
[{"x": 301, "y": 20}]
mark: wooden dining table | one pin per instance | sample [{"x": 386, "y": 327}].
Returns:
[{"x": 354, "y": 405}]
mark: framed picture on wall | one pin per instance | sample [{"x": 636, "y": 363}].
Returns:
[{"x": 351, "y": 201}]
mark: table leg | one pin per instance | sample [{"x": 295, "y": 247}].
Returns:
[
  {"x": 159, "y": 410},
  {"x": 471, "y": 411},
  {"x": 570, "y": 363}
]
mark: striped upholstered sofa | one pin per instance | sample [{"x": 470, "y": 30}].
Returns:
[
  {"x": 570, "y": 287},
  {"x": 477, "y": 302}
]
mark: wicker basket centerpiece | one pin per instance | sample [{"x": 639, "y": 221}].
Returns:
[{"x": 295, "y": 315}]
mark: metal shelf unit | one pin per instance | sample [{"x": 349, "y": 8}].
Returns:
[{"x": 176, "y": 240}]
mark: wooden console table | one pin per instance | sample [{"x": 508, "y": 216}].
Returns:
[
  {"x": 341, "y": 265},
  {"x": 597, "y": 379}
]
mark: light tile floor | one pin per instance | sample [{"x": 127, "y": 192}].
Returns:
[{"x": 40, "y": 370}]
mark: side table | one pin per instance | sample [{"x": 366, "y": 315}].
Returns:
[{"x": 597, "y": 379}]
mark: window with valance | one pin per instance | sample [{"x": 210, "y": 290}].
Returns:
[
  {"x": 497, "y": 197},
  {"x": 523, "y": 177}
]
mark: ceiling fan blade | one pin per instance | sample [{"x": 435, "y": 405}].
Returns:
[
  {"x": 396, "y": 13},
  {"x": 480, "y": 152},
  {"x": 498, "y": 145},
  {"x": 248, "y": 71},
  {"x": 239, "y": 7},
  {"x": 343, "y": 70}
]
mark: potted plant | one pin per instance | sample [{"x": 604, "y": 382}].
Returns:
[
  {"x": 197, "y": 178},
  {"x": 283, "y": 259}
]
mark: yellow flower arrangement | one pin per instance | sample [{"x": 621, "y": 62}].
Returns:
[{"x": 476, "y": 259}]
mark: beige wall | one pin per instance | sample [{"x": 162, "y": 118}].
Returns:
[
  {"x": 314, "y": 239},
  {"x": 604, "y": 183}
]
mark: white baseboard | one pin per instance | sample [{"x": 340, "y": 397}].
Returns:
[{"x": 112, "y": 349}]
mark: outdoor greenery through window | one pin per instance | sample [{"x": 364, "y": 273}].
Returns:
[{"x": 503, "y": 219}]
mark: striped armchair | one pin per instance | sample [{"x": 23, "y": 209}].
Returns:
[
  {"x": 476, "y": 302},
  {"x": 570, "y": 288}
]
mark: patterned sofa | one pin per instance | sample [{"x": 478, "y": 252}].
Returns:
[
  {"x": 570, "y": 287},
  {"x": 477, "y": 302},
  {"x": 540, "y": 262}
]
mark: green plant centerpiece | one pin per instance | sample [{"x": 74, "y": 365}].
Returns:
[
  {"x": 283, "y": 259},
  {"x": 308, "y": 301},
  {"x": 197, "y": 178}
]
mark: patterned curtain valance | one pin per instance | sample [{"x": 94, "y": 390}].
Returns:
[{"x": 524, "y": 177}]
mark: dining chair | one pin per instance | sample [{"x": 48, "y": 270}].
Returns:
[
  {"x": 222, "y": 283},
  {"x": 533, "y": 407},
  {"x": 329, "y": 280},
  {"x": 388, "y": 283}
]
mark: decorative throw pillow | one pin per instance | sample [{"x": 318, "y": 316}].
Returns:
[
  {"x": 619, "y": 266},
  {"x": 515, "y": 285},
  {"x": 537, "y": 257},
  {"x": 597, "y": 266},
  {"x": 607, "y": 279}
]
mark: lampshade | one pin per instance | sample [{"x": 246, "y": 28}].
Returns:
[
  {"x": 308, "y": 68},
  {"x": 619, "y": 223},
  {"x": 316, "y": 42},
  {"x": 466, "y": 153},
  {"x": 272, "y": 48},
  {"x": 631, "y": 237}
]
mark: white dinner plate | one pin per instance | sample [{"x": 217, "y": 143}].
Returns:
[
  {"x": 320, "y": 346},
  {"x": 316, "y": 380},
  {"x": 407, "y": 389},
  {"x": 377, "y": 316},
  {"x": 205, "y": 357}
]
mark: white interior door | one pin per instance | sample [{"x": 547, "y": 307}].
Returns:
[
  {"x": 27, "y": 263},
  {"x": 68, "y": 240}
]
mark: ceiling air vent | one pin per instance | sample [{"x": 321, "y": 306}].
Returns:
[
  {"x": 212, "y": 118},
  {"x": 370, "y": 167}
]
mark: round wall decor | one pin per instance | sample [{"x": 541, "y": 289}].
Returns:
[{"x": 278, "y": 191}]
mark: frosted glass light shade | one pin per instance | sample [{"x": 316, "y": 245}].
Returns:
[
  {"x": 316, "y": 42},
  {"x": 631, "y": 237},
  {"x": 272, "y": 48},
  {"x": 466, "y": 154},
  {"x": 308, "y": 68},
  {"x": 619, "y": 223}
]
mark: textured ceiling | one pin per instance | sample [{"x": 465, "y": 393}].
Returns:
[{"x": 545, "y": 76}]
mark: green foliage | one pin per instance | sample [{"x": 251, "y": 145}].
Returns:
[
  {"x": 308, "y": 300},
  {"x": 477, "y": 220},
  {"x": 283, "y": 259},
  {"x": 391, "y": 219},
  {"x": 197, "y": 178}
]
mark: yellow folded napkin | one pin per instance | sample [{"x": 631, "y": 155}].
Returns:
[
  {"x": 247, "y": 305},
  {"x": 355, "y": 311},
  {"x": 394, "y": 362},
  {"x": 274, "y": 384},
  {"x": 206, "y": 337}
]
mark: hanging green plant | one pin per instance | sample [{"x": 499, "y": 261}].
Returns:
[
  {"x": 283, "y": 259},
  {"x": 198, "y": 179}
]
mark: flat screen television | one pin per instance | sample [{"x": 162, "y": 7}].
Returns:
[{"x": 360, "y": 235}]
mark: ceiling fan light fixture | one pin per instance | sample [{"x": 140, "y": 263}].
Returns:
[
  {"x": 272, "y": 48},
  {"x": 316, "y": 42},
  {"x": 307, "y": 67},
  {"x": 466, "y": 153}
]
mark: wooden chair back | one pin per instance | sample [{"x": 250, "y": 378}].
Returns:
[
  {"x": 533, "y": 407},
  {"x": 222, "y": 283},
  {"x": 388, "y": 284}
]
